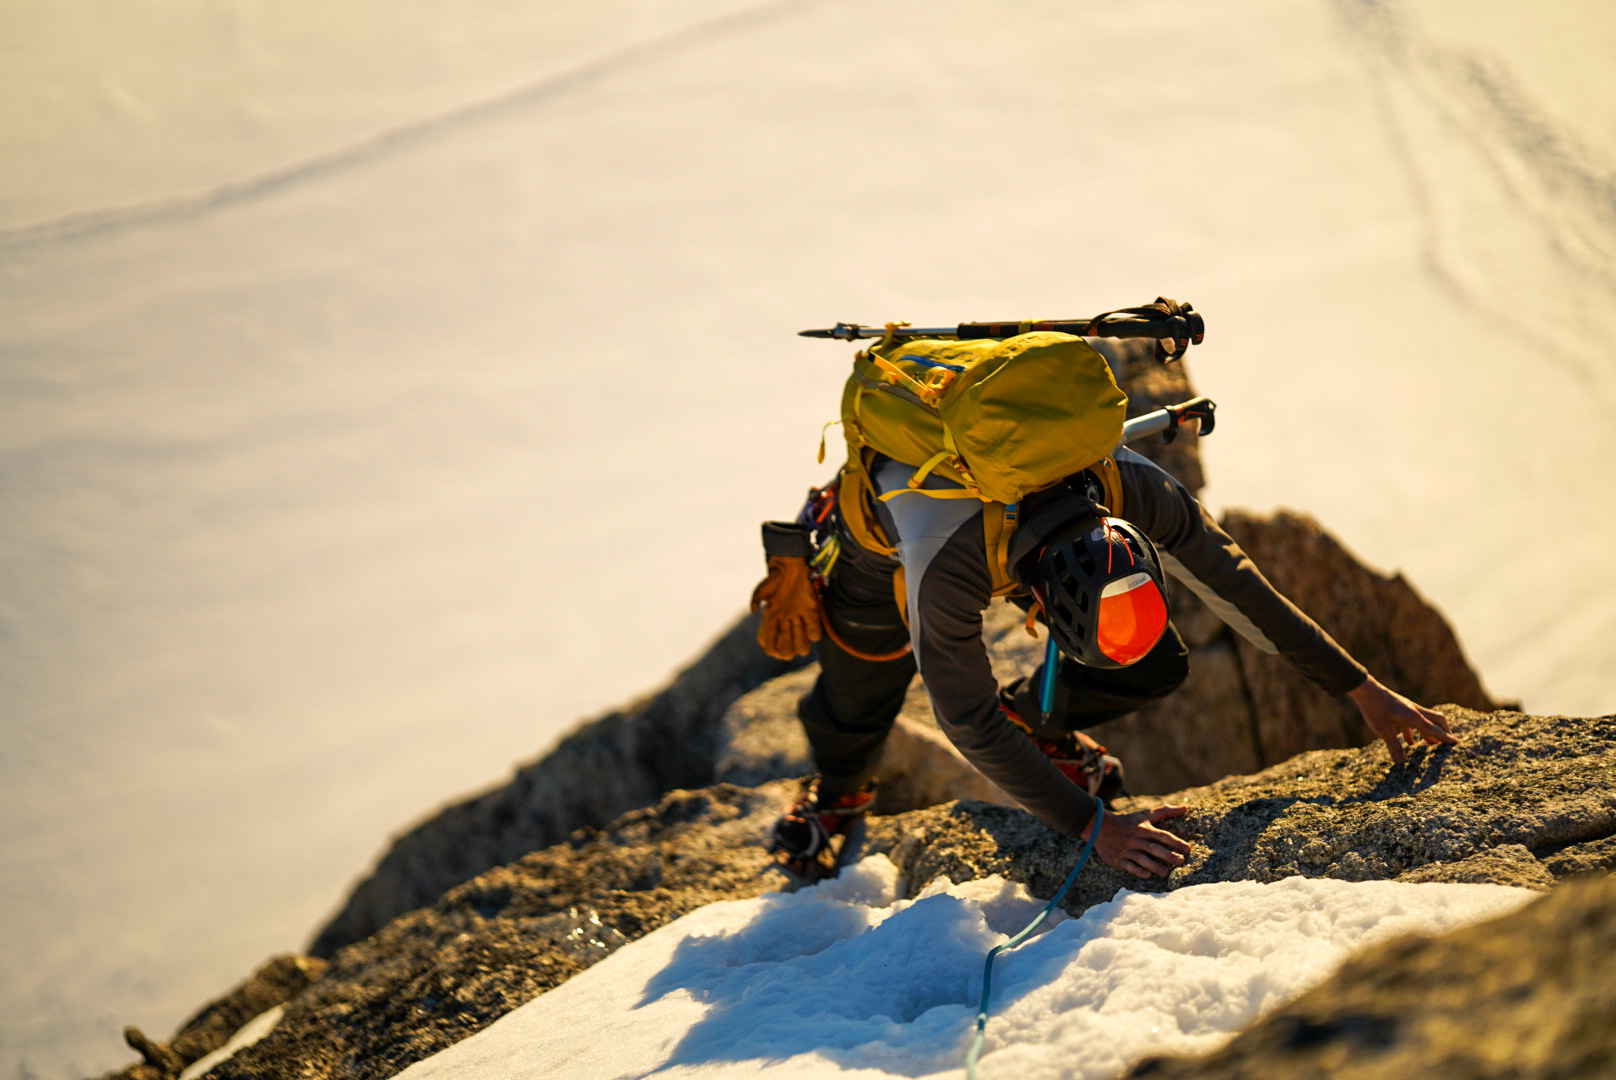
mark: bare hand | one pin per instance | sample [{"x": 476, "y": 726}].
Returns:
[
  {"x": 1397, "y": 720},
  {"x": 1132, "y": 842}
]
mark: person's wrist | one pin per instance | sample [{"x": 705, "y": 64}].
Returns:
[
  {"x": 1094, "y": 821},
  {"x": 1364, "y": 690}
]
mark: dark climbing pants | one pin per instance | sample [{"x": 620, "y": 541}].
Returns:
[{"x": 854, "y": 702}]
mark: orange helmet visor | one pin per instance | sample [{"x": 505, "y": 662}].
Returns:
[{"x": 1133, "y": 615}]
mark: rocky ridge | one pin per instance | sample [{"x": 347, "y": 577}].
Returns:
[{"x": 1522, "y": 800}]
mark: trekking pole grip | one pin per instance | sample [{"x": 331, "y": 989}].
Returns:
[{"x": 1201, "y": 408}]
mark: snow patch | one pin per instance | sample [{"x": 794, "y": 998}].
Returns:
[
  {"x": 249, "y": 1033},
  {"x": 845, "y": 977}
]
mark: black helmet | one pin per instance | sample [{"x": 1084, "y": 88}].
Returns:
[{"x": 1100, "y": 584}]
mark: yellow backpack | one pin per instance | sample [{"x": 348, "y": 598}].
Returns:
[{"x": 1002, "y": 418}]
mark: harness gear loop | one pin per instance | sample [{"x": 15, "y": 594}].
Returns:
[{"x": 874, "y": 658}]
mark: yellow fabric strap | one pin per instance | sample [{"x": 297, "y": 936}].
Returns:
[
  {"x": 924, "y": 471},
  {"x": 920, "y": 474},
  {"x": 822, "y": 432},
  {"x": 1111, "y": 480},
  {"x": 897, "y": 374},
  {"x": 1000, "y": 567},
  {"x": 932, "y": 493}
]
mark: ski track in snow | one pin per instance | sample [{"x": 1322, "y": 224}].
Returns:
[
  {"x": 89, "y": 224},
  {"x": 1548, "y": 176}
]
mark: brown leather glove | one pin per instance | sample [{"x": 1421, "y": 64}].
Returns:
[{"x": 790, "y": 623}]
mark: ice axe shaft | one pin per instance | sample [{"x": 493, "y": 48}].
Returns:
[{"x": 1169, "y": 419}]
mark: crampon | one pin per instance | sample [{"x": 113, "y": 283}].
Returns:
[
  {"x": 812, "y": 838},
  {"x": 1082, "y": 760}
]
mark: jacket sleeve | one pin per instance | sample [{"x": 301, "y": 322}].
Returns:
[
  {"x": 944, "y": 557},
  {"x": 1213, "y": 566}
]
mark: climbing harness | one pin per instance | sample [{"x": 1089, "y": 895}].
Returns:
[
  {"x": 819, "y": 516},
  {"x": 987, "y": 968}
]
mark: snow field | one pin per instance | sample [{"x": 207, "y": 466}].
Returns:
[{"x": 845, "y": 979}]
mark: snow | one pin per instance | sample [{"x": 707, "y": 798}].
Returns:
[
  {"x": 386, "y": 386},
  {"x": 846, "y": 980},
  {"x": 250, "y": 1032}
]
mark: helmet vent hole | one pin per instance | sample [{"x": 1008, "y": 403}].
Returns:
[
  {"x": 1083, "y": 602},
  {"x": 1086, "y": 563}
]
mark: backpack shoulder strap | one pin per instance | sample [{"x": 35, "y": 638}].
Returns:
[
  {"x": 1110, "y": 477},
  {"x": 999, "y": 522},
  {"x": 998, "y": 525}
]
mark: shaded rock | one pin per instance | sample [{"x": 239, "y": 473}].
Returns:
[
  {"x": 1592, "y": 857},
  {"x": 622, "y": 761},
  {"x": 1515, "y": 787},
  {"x": 279, "y": 980},
  {"x": 1380, "y": 620},
  {"x": 1530, "y": 995},
  {"x": 1149, "y": 386},
  {"x": 1506, "y": 864}
]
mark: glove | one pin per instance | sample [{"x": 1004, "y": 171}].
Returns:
[{"x": 790, "y": 623}]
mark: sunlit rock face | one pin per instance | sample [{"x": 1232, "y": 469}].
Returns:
[{"x": 1522, "y": 800}]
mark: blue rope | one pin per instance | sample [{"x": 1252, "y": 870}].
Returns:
[{"x": 987, "y": 969}]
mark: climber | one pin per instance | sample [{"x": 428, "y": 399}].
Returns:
[{"x": 1094, "y": 578}]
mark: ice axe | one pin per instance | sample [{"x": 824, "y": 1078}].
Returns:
[{"x": 1173, "y": 326}]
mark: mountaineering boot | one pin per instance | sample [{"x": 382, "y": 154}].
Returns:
[
  {"x": 1083, "y": 761},
  {"x": 808, "y": 840}
]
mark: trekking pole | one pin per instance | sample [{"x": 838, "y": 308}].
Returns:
[
  {"x": 1173, "y": 325},
  {"x": 1169, "y": 419}
]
